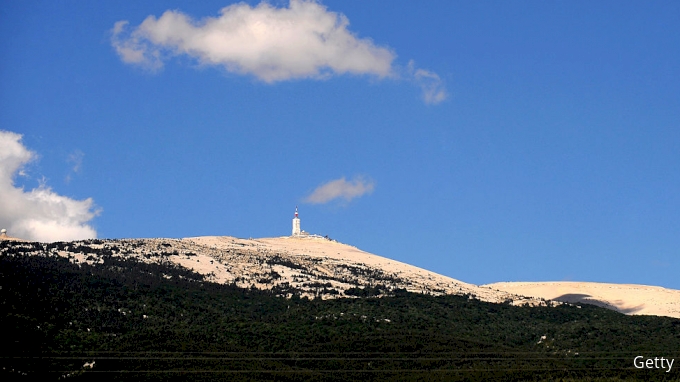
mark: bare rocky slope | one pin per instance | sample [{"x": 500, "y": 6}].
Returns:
[{"x": 624, "y": 298}]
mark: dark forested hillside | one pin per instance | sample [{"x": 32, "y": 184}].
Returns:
[{"x": 142, "y": 321}]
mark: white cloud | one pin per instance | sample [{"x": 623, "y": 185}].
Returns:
[
  {"x": 134, "y": 50},
  {"x": 340, "y": 188},
  {"x": 432, "y": 87},
  {"x": 39, "y": 214},
  {"x": 304, "y": 40}
]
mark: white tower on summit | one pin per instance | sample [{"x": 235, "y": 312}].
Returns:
[{"x": 296, "y": 224}]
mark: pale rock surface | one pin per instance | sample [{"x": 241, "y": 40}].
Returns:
[
  {"x": 624, "y": 298},
  {"x": 306, "y": 260}
]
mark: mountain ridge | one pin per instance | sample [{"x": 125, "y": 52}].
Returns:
[{"x": 316, "y": 267}]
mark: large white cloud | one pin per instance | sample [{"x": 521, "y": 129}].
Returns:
[
  {"x": 39, "y": 214},
  {"x": 304, "y": 40},
  {"x": 340, "y": 189}
]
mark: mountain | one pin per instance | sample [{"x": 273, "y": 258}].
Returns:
[
  {"x": 129, "y": 310},
  {"x": 317, "y": 267}
]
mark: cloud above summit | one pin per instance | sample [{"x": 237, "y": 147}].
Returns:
[
  {"x": 340, "y": 189},
  {"x": 304, "y": 40},
  {"x": 39, "y": 214}
]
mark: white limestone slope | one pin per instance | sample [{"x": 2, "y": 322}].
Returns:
[
  {"x": 624, "y": 298},
  {"x": 303, "y": 261}
]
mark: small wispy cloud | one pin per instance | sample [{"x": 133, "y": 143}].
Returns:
[
  {"x": 39, "y": 214},
  {"x": 340, "y": 189},
  {"x": 304, "y": 40},
  {"x": 76, "y": 160},
  {"x": 431, "y": 85}
]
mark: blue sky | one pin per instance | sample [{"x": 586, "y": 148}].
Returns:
[{"x": 487, "y": 141}]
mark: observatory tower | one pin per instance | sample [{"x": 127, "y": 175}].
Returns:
[{"x": 296, "y": 223}]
